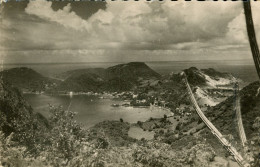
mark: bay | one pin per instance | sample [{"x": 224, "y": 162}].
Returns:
[{"x": 91, "y": 109}]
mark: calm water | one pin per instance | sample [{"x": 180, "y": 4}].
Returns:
[{"x": 92, "y": 110}]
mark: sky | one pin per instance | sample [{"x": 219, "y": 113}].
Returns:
[{"x": 41, "y": 31}]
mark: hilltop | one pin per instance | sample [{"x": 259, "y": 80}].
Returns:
[
  {"x": 209, "y": 78},
  {"x": 121, "y": 77},
  {"x": 132, "y": 70},
  {"x": 27, "y": 79},
  {"x": 209, "y": 86}
]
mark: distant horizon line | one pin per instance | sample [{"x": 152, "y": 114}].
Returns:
[{"x": 122, "y": 62}]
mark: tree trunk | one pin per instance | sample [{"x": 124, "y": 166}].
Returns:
[{"x": 251, "y": 35}]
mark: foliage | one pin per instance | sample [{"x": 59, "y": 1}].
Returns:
[
  {"x": 122, "y": 77},
  {"x": 65, "y": 137},
  {"x": 194, "y": 77},
  {"x": 63, "y": 143},
  {"x": 26, "y": 78},
  {"x": 113, "y": 132},
  {"x": 28, "y": 138},
  {"x": 255, "y": 142},
  {"x": 84, "y": 82},
  {"x": 59, "y": 141}
]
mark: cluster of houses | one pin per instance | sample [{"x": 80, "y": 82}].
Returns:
[{"x": 184, "y": 110}]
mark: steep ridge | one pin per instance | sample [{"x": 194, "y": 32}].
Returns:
[
  {"x": 122, "y": 77},
  {"x": 84, "y": 82},
  {"x": 127, "y": 76},
  {"x": 133, "y": 70},
  {"x": 117, "y": 78},
  {"x": 250, "y": 109},
  {"x": 27, "y": 79},
  {"x": 195, "y": 76},
  {"x": 209, "y": 78},
  {"x": 210, "y": 87},
  {"x": 213, "y": 129},
  {"x": 74, "y": 73},
  {"x": 16, "y": 115}
]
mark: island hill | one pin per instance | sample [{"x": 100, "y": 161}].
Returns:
[
  {"x": 122, "y": 77},
  {"x": 27, "y": 79},
  {"x": 182, "y": 140},
  {"x": 133, "y": 81},
  {"x": 143, "y": 86}
]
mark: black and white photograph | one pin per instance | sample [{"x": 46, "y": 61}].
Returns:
[{"x": 118, "y": 83}]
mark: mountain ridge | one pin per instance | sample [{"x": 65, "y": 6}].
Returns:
[
  {"x": 26, "y": 79},
  {"x": 120, "y": 77}
]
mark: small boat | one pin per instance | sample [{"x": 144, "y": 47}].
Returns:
[
  {"x": 115, "y": 105},
  {"x": 126, "y": 105},
  {"x": 71, "y": 94}
]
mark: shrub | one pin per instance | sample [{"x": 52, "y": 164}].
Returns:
[
  {"x": 199, "y": 121},
  {"x": 65, "y": 137},
  {"x": 139, "y": 123},
  {"x": 161, "y": 131},
  {"x": 178, "y": 127}
]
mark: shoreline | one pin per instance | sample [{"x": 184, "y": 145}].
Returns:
[{"x": 100, "y": 96}]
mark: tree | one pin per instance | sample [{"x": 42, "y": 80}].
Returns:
[
  {"x": 256, "y": 142},
  {"x": 139, "y": 123},
  {"x": 65, "y": 135},
  {"x": 252, "y": 36}
]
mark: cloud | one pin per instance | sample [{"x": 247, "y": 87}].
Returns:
[
  {"x": 153, "y": 24},
  {"x": 130, "y": 29},
  {"x": 65, "y": 17},
  {"x": 237, "y": 32}
]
